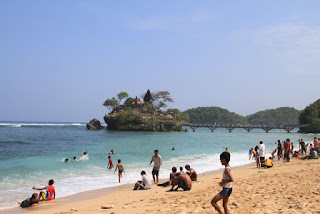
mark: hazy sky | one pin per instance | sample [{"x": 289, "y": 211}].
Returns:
[{"x": 59, "y": 60}]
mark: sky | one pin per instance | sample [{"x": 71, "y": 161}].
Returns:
[{"x": 60, "y": 60}]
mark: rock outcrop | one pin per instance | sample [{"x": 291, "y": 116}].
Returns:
[
  {"x": 94, "y": 124},
  {"x": 138, "y": 121}
]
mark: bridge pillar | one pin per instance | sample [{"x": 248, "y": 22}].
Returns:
[
  {"x": 248, "y": 129},
  {"x": 288, "y": 129},
  {"x": 212, "y": 128},
  {"x": 267, "y": 129},
  {"x": 230, "y": 129}
]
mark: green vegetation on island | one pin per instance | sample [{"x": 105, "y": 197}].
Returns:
[
  {"x": 277, "y": 117},
  {"x": 311, "y": 115},
  {"x": 133, "y": 114},
  {"x": 212, "y": 115}
]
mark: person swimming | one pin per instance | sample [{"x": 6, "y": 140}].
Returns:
[
  {"x": 111, "y": 152},
  {"x": 84, "y": 156}
]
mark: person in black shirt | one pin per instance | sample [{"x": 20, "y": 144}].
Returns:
[{"x": 29, "y": 201}]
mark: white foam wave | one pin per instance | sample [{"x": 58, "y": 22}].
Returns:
[
  {"x": 100, "y": 177},
  {"x": 40, "y": 124}
]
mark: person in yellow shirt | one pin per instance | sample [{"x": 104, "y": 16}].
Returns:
[{"x": 269, "y": 163}]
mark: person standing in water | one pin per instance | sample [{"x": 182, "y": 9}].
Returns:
[
  {"x": 156, "y": 158},
  {"x": 120, "y": 169},
  {"x": 110, "y": 164}
]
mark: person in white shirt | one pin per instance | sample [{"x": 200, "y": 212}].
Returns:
[
  {"x": 146, "y": 182},
  {"x": 262, "y": 155},
  {"x": 156, "y": 158}
]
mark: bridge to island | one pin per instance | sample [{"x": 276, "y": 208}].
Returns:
[{"x": 248, "y": 127}]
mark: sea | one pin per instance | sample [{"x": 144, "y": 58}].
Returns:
[{"x": 32, "y": 153}]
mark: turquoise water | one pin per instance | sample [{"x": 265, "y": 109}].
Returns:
[{"x": 33, "y": 153}]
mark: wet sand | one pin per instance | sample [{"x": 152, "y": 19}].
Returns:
[{"x": 286, "y": 188}]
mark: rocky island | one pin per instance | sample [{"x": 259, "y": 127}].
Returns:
[{"x": 146, "y": 115}]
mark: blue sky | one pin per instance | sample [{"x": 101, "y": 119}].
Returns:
[{"x": 61, "y": 59}]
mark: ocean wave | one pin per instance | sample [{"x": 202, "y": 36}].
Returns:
[
  {"x": 17, "y": 125},
  {"x": 2, "y": 142}
]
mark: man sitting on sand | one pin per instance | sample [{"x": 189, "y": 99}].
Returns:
[
  {"x": 172, "y": 175},
  {"x": 181, "y": 170},
  {"x": 313, "y": 155},
  {"x": 192, "y": 173},
  {"x": 146, "y": 182},
  {"x": 29, "y": 201},
  {"x": 183, "y": 181}
]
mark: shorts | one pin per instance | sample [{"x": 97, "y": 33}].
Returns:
[
  {"x": 226, "y": 192},
  {"x": 155, "y": 172},
  {"x": 142, "y": 186},
  {"x": 262, "y": 158},
  {"x": 44, "y": 196},
  {"x": 120, "y": 171}
]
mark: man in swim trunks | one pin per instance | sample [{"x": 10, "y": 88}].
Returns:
[
  {"x": 50, "y": 193},
  {"x": 183, "y": 181},
  {"x": 172, "y": 175},
  {"x": 120, "y": 169},
  {"x": 192, "y": 173},
  {"x": 156, "y": 158}
]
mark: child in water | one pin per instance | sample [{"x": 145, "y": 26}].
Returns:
[
  {"x": 120, "y": 169},
  {"x": 50, "y": 193},
  {"x": 226, "y": 183},
  {"x": 110, "y": 164}
]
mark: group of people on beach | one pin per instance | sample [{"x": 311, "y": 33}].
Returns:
[
  {"x": 285, "y": 151},
  {"x": 309, "y": 150},
  {"x": 180, "y": 179},
  {"x": 259, "y": 154}
]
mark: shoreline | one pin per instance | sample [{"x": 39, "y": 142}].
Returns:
[
  {"x": 90, "y": 194},
  {"x": 274, "y": 190}
]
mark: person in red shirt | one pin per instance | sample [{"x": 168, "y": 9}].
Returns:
[
  {"x": 50, "y": 192},
  {"x": 315, "y": 143},
  {"x": 110, "y": 164},
  {"x": 288, "y": 147}
]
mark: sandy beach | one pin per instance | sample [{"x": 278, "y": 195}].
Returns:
[{"x": 286, "y": 188}]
